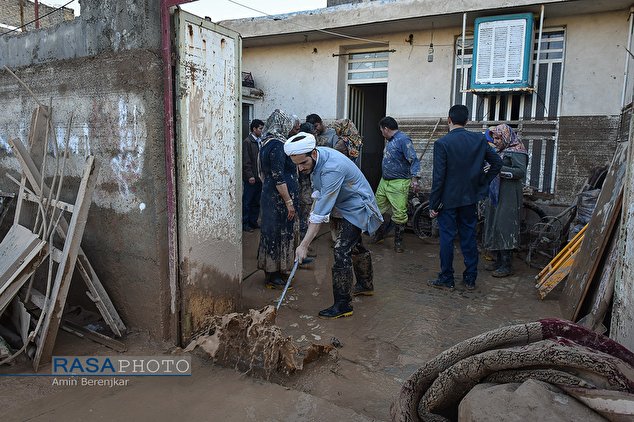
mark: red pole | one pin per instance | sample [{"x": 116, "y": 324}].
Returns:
[
  {"x": 37, "y": 14},
  {"x": 170, "y": 163}
]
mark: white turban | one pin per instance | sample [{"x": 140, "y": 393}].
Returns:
[{"x": 300, "y": 144}]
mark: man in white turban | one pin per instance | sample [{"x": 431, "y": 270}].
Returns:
[{"x": 338, "y": 183}]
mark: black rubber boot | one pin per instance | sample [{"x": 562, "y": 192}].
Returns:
[
  {"x": 492, "y": 266},
  {"x": 505, "y": 269},
  {"x": 398, "y": 238},
  {"x": 362, "y": 264},
  {"x": 341, "y": 287},
  {"x": 274, "y": 281},
  {"x": 379, "y": 235}
]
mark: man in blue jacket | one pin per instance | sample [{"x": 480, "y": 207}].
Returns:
[
  {"x": 459, "y": 182},
  {"x": 400, "y": 172},
  {"x": 338, "y": 184}
]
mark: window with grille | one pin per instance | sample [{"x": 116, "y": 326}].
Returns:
[
  {"x": 367, "y": 67},
  {"x": 534, "y": 115}
]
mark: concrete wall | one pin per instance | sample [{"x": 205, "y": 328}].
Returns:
[
  {"x": 305, "y": 77},
  {"x": 594, "y": 63},
  {"x": 103, "y": 26},
  {"x": 10, "y": 14},
  {"x": 106, "y": 69}
]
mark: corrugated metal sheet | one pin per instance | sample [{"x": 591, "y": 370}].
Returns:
[{"x": 209, "y": 184}]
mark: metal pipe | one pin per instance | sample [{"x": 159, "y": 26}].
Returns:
[
  {"x": 464, "y": 30},
  {"x": 627, "y": 58},
  {"x": 37, "y": 14},
  {"x": 170, "y": 163},
  {"x": 539, "y": 52}
]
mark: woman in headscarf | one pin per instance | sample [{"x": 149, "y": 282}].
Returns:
[
  {"x": 279, "y": 201},
  {"x": 350, "y": 140},
  {"x": 502, "y": 217}
]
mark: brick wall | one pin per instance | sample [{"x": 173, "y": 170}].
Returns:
[
  {"x": 585, "y": 142},
  {"x": 10, "y": 14}
]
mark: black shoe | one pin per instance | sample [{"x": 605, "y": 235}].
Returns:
[
  {"x": 492, "y": 266},
  {"x": 470, "y": 286},
  {"x": 359, "y": 290},
  {"x": 338, "y": 310},
  {"x": 254, "y": 226},
  {"x": 277, "y": 283},
  {"x": 502, "y": 272},
  {"x": 247, "y": 229},
  {"x": 439, "y": 284}
]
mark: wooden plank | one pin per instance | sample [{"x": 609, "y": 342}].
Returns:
[
  {"x": 561, "y": 257},
  {"x": 596, "y": 237},
  {"x": 16, "y": 245},
  {"x": 557, "y": 276},
  {"x": 84, "y": 332},
  {"x": 15, "y": 283},
  {"x": 38, "y": 300},
  {"x": 601, "y": 292},
  {"x": 37, "y": 137},
  {"x": 57, "y": 204},
  {"x": 64, "y": 274},
  {"x": 88, "y": 274}
]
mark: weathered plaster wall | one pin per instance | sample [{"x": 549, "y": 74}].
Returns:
[
  {"x": 290, "y": 73},
  {"x": 105, "y": 67},
  {"x": 305, "y": 77},
  {"x": 10, "y": 14},
  {"x": 594, "y": 63},
  {"x": 117, "y": 116},
  {"x": 103, "y": 26}
]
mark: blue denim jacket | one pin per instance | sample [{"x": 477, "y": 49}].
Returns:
[
  {"x": 339, "y": 184},
  {"x": 399, "y": 158}
]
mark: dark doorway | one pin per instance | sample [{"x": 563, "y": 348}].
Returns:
[{"x": 366, "y": 106}]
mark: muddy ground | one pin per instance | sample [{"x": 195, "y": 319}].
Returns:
[{"x": 390, "y": 335}]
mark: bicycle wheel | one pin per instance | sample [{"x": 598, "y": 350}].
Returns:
[
  {"x": 422, "y": 222},
  {"x": 530, "y": 215}
]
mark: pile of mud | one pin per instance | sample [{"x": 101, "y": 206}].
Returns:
[{"x": 252, "y": 343}]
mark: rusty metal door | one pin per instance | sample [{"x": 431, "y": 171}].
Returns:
[{"x": 208, "y": 169}]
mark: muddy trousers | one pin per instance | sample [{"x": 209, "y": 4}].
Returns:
[{"x": 350, "y": 255}]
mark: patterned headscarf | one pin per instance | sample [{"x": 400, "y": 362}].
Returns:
[
  {"x": 510, "y": 141},
  {"x": 277, "y": 126},
  {"x": 348, "y": 132}
]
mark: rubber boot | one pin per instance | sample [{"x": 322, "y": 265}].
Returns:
[
  {"x": 505, "y": 269},
  {"x": 379, "y": 235},
  {"x": 274, "y": 281},
  {"x": 341, "y": 287},
  {"x": 492, "y": 266},
  {"x": 362, "y": 264},
  {"x": 398, "y": 238}
]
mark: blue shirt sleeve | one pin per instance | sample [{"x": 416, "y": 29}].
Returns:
[
  {"x": 438, "y": 176},
  {"x": 410, "y": 155},
  {"x": 331, "y": 185}
]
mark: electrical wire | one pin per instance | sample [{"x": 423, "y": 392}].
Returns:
[{"x": 39, "y": 18}]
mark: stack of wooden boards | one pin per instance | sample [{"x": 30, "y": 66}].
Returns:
[
  {"x": 42, "y": 238},
  {"x": 587, "y": 264}
]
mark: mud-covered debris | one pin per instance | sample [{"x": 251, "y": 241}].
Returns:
[
  {"x": 252, "y": 343},
  {"x": 335, "y": 342}
]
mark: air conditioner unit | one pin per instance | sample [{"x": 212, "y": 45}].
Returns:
[{"x": 502, "y": 52}]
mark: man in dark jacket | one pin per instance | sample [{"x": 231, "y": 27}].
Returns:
[
  {"x": 459, "y": 182},
  {"x": 250, "y": 178}
]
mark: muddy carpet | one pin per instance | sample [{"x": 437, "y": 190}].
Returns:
[{"x": 554, "y": 351}]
